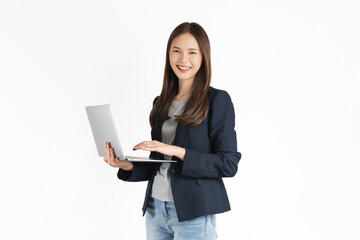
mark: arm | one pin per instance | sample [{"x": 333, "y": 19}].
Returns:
[
  {"x": 128, "y": 171},
  {"x": 139, "y": 171},
  {"x": 224, "y": 159}
]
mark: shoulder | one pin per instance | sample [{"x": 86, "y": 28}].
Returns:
[
  {"x": 218, "y": 96},
  {"x": 221, "y": 110}
]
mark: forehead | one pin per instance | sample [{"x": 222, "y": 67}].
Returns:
[{"x": 185, "y": 41}]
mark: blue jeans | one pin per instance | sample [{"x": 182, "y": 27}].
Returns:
[{"x": 162, "y": 224}]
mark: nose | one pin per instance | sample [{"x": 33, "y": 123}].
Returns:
[{"x": 184, "y": 57}]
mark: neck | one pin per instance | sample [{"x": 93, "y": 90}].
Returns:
[{"x": 185, "y": 88}]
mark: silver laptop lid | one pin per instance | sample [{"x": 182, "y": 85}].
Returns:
[{"x": 104, "y": 129}]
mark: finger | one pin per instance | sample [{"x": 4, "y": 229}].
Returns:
[
  {"x": 138, "y": 146},
  {"x": 108, "y": 156},
  {"x": 149, "y": 146},
  {"x": 112, "y": 154},
  {"x": 107, "y": 153},
  {"x": 149, "y": 149},
  {"x": 110, "y": 159},
  {"x": 145, "y": 144},
  {"x": 105, "y": 149},
  {"x": 140, "y": 143},
  {"x": 106, "y": 146},
  {"x": 154, "y": 142}
]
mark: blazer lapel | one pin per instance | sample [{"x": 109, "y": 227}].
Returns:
[
  {"x": 156, "y": 135},
  {"x": 156, "y": 132},
  {"x": 182, "y": 134}
]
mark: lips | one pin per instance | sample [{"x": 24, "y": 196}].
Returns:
[{"x": 183, "y": 68}]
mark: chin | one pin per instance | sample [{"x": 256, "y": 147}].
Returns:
[{"x": 185, "y": 79}]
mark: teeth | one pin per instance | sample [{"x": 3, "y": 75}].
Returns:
[{"x": 184, "y": 68}]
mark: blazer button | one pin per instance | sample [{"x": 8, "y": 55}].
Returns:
[{"x": 173, "y": 171}]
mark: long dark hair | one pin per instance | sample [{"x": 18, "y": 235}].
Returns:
[{"x": 198, "y": 104}]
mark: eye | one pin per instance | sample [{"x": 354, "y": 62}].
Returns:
[
  {"x": 176, "y": 51},
  {"x": 192, "y": 52}
]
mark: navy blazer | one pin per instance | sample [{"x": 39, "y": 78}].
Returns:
[{"x": 211, "y": 154}]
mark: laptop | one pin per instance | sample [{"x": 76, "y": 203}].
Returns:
[{"x": 103, "y": 128}]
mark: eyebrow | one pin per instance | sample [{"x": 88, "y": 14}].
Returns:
[{"x": 188, "y": 48}]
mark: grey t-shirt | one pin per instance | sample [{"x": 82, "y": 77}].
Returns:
[{"x": 161, "y": 188}]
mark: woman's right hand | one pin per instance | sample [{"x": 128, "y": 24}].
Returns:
[{"x": 113, "y": 161}]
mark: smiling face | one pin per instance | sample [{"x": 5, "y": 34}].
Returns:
[{"x": 185, "y": 57}]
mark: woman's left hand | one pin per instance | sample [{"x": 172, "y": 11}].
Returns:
[{"x": 166, "y": 149}]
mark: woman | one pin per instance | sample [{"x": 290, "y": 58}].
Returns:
[{"x": 192, "y": 123}]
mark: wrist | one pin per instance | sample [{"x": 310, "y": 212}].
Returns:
[
  {"x": 180, "y": 153},
  {"x": 131, "y": 167},
  {"x": 128, "y": 168}
]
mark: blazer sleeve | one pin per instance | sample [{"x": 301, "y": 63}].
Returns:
[
  {"x": 141, "y": 171},
  {"x": 224, "y": 157}
]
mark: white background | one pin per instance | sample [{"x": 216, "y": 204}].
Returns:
[{"x": 291, "y": 68}]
